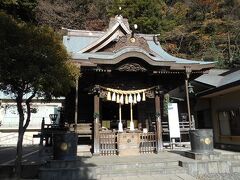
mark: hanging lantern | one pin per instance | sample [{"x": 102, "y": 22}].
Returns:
[
  {"x": 130, "y": 100},
  {"x": 109, "y": 96},
  {"x": 134, "y": 99},
  {"x": 118, "y": 99},
  {"x": 144, "y": 97},
  {"x": 126, "y": 99},
  {"x": 121, "y": 99},
  {"x": 138, "y": 97},
  {"x": 114, "y": 96}
]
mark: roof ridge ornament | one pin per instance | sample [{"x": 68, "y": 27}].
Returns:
[
  {"x": 155, "y": 40},
  {"x": 119, "y": 16},
  {"x": 120, "y": 9}
]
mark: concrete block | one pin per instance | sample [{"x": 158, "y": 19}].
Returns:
[
  {"x": 236, "y": 169},
  {"x": 224, "y": 167},
  {"x": 212, "y": 167},
  {"x": 202, "y": 168}
]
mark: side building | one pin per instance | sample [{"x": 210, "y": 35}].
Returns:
[
  {"x": 9, "y": 119},
  {"x": 221, "y": 103}
]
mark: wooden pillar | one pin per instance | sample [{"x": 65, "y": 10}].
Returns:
[
  {"x": 188, "y": 72},
  {"x": 76, "y": 106},
  {"x": 158, "y": 124},
  {"x": 96, "y": 148}
]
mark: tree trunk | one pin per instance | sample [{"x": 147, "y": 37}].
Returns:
[
  {"x": 18, "y": 161},
  {"x": 21, "y": 131}
]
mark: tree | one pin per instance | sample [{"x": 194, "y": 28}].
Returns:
[
  {"x": 146, "y": 14},
  {"x": 33, "y": 63},
  {"x": 207, "y": 30},
  {"x": 72, "y": 14},
  {"x": 23, "y": 9}
]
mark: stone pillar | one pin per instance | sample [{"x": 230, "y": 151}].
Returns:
[
  {"x": 96, "y": 148},
  {"x": 158, "y": 123}
]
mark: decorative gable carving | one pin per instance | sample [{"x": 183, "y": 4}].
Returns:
[
  {"x": 132, "y": 67},
  {"x": 125, "y": 41}
]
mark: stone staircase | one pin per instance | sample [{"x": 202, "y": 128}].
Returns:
[
  {"x": 138, "y": 169},
  {"x": 101, "y": 168},
  {"x": 165, "y": 165}
]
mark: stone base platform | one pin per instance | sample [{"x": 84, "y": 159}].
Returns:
[
  {"x": 203, "y": 156},
  {"x": 213, "y": 164}
]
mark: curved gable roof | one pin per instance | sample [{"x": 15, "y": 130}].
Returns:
[
  {"x": 119, "y": 29},
  {"x": 92, "y": 47}
]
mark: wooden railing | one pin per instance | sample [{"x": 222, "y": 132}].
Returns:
[
  {"x": 147, "y": 142},
  {"x": 108, "y": 143},
  {"x": 83, "y": 129},
  {"x": 183, "y": 125}
]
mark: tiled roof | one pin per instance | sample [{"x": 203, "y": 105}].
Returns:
[
  {"x": 84, "y": 45},
  {"x": 219, "y": 78}
]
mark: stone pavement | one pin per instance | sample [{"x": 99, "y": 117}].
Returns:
[
  {"x": 167, "y": 165},
  {"x": 154, "y": 177}
]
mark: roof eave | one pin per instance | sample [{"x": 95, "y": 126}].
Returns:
[{"x": 220, "y": 90}]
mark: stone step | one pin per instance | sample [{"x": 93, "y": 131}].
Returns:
[
  {"x": 141, "y": 171},
  {"x": 84, "y": 154},
  {"x": 84, "y": 148},
  {"x": 66, "y": 173},
  {"x": 230, "y": 156},
  {"x": 63, "y": 164},
  {"x": 235, "y": 165},
  {"x": 109, "y": 166},
  {"x": 123, "y": 166}
]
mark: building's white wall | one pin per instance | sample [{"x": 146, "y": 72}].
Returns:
[
  {"x": 9, "y": 115},
  {"x": 9, "y": 122},
  {"x": 10, "y": 138}
]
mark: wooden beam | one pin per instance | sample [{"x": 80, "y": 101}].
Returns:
[
  {"x": 158, "y": 124},
  {"x": 96, "y": 148}
]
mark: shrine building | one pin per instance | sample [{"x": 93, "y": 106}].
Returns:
[{"x": 124, "y": 76}]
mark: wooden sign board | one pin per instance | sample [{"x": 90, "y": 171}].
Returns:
[{"x": 173, "y": 120}]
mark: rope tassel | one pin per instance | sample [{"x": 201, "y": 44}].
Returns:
[
  {"x": 114, "y": 97},
  {"x": 118, "y": 99},
  {"x": 121, "y": 99},
  {"x": 138, "y": 97},
  {"x": 130, "y": 99},
  {"x": 134, "y": 99},
  {"x": 109, "y": 96},
  {"x": 144, "y": 97},
  {"x": 126, "y": 99}
]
